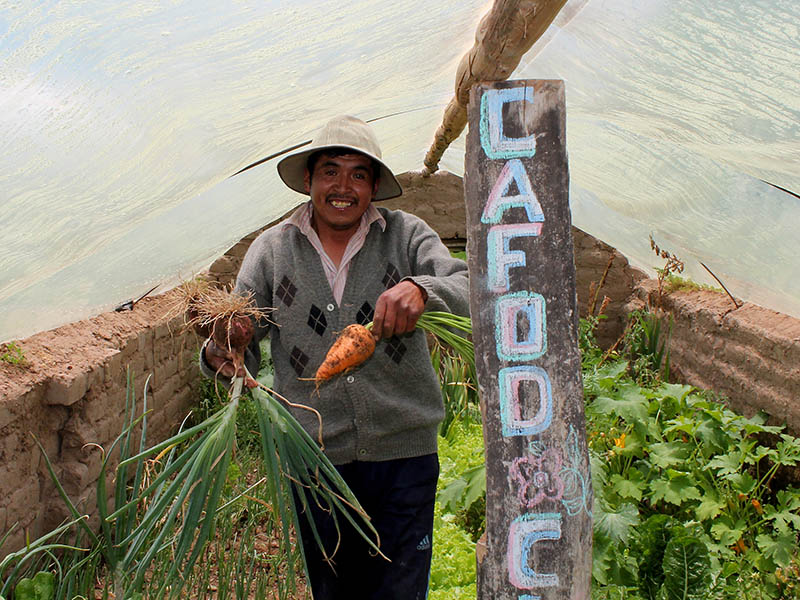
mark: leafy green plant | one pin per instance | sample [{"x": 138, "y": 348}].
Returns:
[
  {"x": 76, "y": 563},
  {"x": 41, "y": 587},
  {"x": 459, "y": 392},
  {"x": 676, "y": 283},
  {"x": 120, "y": 527},
  {"x": 19, "y": 566},
  {"x": 12, "y": 353},
  {"x": 687, "y": 499},
  {"x": 674, "y": 561},
  {"x": 591, "y": 353},
  {"x": 453, "y": 565},
  {"x": 239, "y": 562},
  {"x": 213, "y": 396},
  {"x": 465, "y": 497},
  {"x": 647, "y": 346},
  {"x": 165, "y": 501},
  {"x": 673, "y": 466}
]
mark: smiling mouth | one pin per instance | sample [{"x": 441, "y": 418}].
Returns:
[{"x": 341, "y": 202}]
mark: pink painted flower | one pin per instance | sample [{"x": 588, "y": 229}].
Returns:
[{"x": 538, "y": 478}]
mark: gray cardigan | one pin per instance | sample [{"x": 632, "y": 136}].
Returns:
[{"x": 389, "y": 407}]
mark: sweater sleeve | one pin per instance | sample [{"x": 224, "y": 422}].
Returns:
[
  {"x": 255, "y": 278},
  {"x": 443, "y": 277}
]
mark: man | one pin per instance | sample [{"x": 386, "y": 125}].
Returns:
[{"x": 338, "y": 260}]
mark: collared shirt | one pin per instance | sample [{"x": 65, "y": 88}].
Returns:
[{"x": 336, "y": 276}]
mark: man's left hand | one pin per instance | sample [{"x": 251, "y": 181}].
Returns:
[{"x": 398, "y": 309}]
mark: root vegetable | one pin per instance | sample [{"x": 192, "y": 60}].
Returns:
[
  {"x": 353, "y": 346},
  {"x": 233, "y": 333},
  {"x": 227, "y": 317}
]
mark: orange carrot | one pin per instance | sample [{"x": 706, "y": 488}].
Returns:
[{"x": 353, "y": 346}]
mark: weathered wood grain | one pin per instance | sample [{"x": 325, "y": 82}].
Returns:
[{"x": 525, "y": 319}]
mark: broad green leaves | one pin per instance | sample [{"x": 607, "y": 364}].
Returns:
[
  {"x": 667, "y": 454},
  {"x": 676, "y": 489},
  {"x": 711, "y": 504},
  {"x": 629, "y": 404},
  {"x": 632, "y": 488},
  {"x": 464, "y": 490},
  {"x": 41, "y": 587},
  {"x": 779, "y": 549},
  {"x": 728, "y": 532},
  {"x": 785, "y": 516},
  {"x": 616, "y": 524},
  {"x": 684, "y": 490},
  {"x": 686, "y": 569}
]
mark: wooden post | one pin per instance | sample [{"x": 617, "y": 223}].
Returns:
[{"x": 538, "y": 542}]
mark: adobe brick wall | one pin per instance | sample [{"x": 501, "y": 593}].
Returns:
[
  {"x": 749, "y": 354},
  {"x": 71, "y": 395}
]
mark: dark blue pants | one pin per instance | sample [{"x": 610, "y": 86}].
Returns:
[{"x": 399, "y": 497}]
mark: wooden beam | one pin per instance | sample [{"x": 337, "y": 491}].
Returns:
[
  {"x": 525, "y": 321},
  {"x": 503, "y": 36}
]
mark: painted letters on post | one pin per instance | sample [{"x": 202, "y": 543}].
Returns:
[
  {"x": 501, "y": 257},
  {"x": 525, "y": 531},
  {"x": 513, "y": 172},
  {"x": 538, "y": 484},
  {"x": 494, "y": 141},
  {"x": 520, "y": 317},
  {"x": 533, "y": 341},
  {"x": 511, "y": 409}
]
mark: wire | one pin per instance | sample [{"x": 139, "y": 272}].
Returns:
[
  {"x": 783, "y": 189},
  {"x": 307, "y": 142}
]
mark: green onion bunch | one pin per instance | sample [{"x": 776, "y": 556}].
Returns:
[
  {"x": 444, "y": 327},
  {"x": 184, "y": 498}
]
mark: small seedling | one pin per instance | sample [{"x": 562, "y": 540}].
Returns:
[
  {"x": 12, "y": 353},
  {"x": 673, "y": 265}
]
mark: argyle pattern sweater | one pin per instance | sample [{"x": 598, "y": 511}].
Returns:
[{"x": 389, "y": 407}]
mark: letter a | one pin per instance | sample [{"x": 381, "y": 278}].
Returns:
[{"x": 498, "y": 202}]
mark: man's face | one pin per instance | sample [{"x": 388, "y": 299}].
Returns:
[{"x": 341, "y": 188}]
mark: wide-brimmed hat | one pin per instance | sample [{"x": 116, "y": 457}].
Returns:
[{"x": 340, "y": 132}]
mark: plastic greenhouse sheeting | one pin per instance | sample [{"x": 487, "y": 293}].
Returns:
[
  {"x": 683, "y": 116},
  {"x": 121, "y": 124}
]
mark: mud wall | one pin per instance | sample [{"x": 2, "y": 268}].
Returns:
[
  {"x": 748, "y": 354},
  {"x": 70, "y": 393}
]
